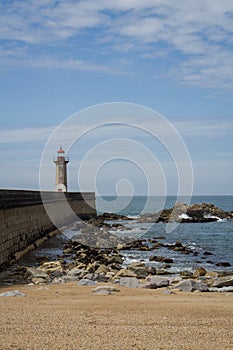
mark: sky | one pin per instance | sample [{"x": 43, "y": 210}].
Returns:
[{"x": 60, "y": 57}]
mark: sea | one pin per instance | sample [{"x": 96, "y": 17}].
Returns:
[{"x": 211, "y": 242}]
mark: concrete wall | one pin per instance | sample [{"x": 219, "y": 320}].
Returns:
[{"x": 23, "y": 218}]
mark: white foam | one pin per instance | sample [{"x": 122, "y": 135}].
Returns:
[
  {"x": 184, "y": 216},
  {"x": 209, "y": 216}
]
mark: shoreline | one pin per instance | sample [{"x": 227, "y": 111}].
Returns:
[{"x": 68, "y": 316}]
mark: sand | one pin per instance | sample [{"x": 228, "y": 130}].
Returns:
[{"x": 71, "y": 317}]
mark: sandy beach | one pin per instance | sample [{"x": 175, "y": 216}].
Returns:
[{"x": 71, "y": 317}]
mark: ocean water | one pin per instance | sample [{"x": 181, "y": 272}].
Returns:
[{"x": 213, "y": 237}]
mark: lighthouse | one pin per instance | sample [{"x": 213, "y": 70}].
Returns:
[{"x": 61, "y": 162}]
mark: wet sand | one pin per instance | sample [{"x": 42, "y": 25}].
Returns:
[{"x": 71, "y": 317}]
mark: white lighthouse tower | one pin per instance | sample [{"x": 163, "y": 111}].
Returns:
[{"x": 61, "y": 162}]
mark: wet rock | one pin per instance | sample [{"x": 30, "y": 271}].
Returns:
[
  {"x": 151, "y": 270},
  {"x": 201, "y": 271},
  {"x": 113, "y": 217},
  {"x": 137, "y": 264},
  {"x": 157, "y": 245},
  {"x": 131, "y": 282},
  {"x": 135, "y": 244},
  {"x": 191, "y": 286},
  {"x": 162, "y": 272},
  {"x": 161, "y": 259},
  {"x": 223, "y": 264},
  {"x": 186, "y": 274},
  {"x": 207, "y": 253},
  {"x": 144, "y": 248},
  {"x": 182, "y": 213}
]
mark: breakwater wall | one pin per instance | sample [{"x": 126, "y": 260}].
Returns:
[{"x": 24, "y": 220}]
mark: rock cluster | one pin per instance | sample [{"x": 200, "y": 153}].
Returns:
[
  {"x": 96, "y": 255},
  {"x": 90, "y": 266},
  {"x": 181, "y": 212}
]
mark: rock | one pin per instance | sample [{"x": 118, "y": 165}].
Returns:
[
  {"x": 37, "y": 274},
  {"x": 201, "y": 271},
  {"x": 137, "y": 264},
  {"x": 86, "y": 282},
  {"x": 186, "y": 274},
  {"x": 135, "y": 244},
  {"x": 102, "y": 277},
  {"x": 151, "y": 270},
  {"x": 58, "y": 280},
  {"x": 157, "y": 246},
  {"x": 148, "y": 285},
  {"x": 224, "y": 281},
  {"x": 125, "y": 273},
  {"x": 222, "y": 289},
  {"x": 51, "y": 267},
  {"x": 38, "y": 280},
  {"x": 110, "y": 274},
  {"x": 113, "y": 217},
  {"x": 75, "y": 272},
  {"x": 90, "y": 276},
  {"x": 224, "y": 264},
  {"x": 130, "y": 282},
  {"x": 91, "y": 268},
  {"x": 103, "y": 269},
  {"x": 13, "y": 293},
  {"x": 186, "y": 214},
  {"x": 191, "y": 286},
  {"x": 139, "y": 269},
  {"x": 161, "y": 272},
  {"x": 161, "y": 259},
  {"x": 167, "y": 291},
  {"x": 120, "y": 246},
  {"x": 115, "y": 266},
  {"x": 207, "y": 253},
  {"x": 144, "y": 248},
  {"x": 211, "y": 274},
  {"x": 105, "y": 290},
  {"x": 80, "y": 266},
  {"x": 159, "y": 281},
  {"x": 114, "y": 259}
]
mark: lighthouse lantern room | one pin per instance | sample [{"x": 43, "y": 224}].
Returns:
[{"x": 61, "y": 162}]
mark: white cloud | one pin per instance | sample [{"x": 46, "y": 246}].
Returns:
[
  {"x": 191, "y": 127},
  {"x": 205, "y": 128},
  {"x": 22, "y": 135},
  {"x": 199, "y": 31}
]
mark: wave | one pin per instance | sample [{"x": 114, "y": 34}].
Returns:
[{"x": 209, "y": 216}]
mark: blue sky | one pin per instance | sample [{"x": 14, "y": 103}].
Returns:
[{"x": 58, "y": 57}]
